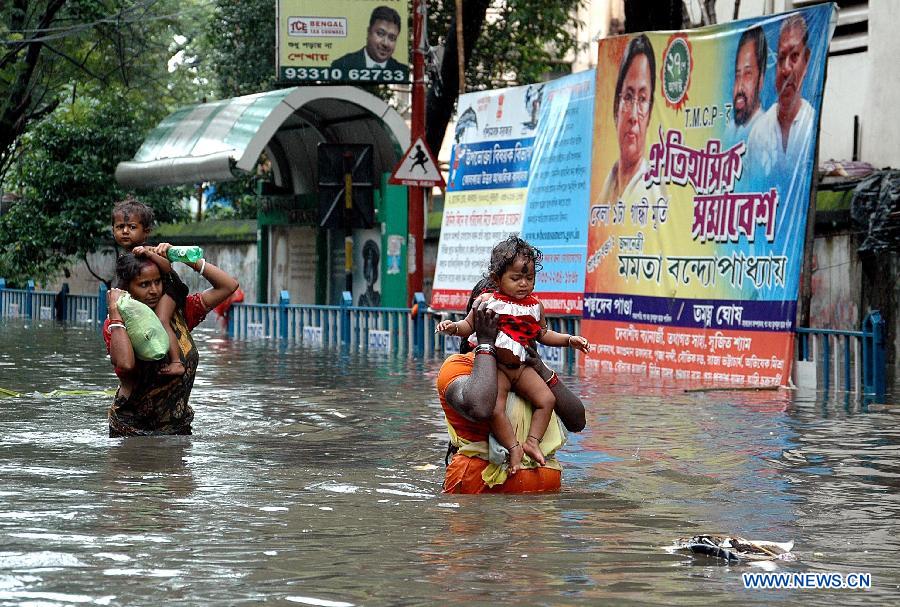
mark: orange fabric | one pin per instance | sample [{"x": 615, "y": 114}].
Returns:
[
  {"x": 463, "y": 475},
  {"x": 459, "y": 365}
]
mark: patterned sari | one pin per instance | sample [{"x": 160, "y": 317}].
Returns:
[{"x": 158, "y": 404}]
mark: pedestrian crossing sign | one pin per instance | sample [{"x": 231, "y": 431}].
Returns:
[{"x": 418, "y": 168}]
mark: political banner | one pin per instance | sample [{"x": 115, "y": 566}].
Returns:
[
  {"x": 354, "y": 41},
  {"x": 520, "y": 165},
  {"x": 703, "y": 154}
]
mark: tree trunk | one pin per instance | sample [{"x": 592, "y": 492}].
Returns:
[
  {"x": 709, "y": 12},
  {"x": 648, "y": 15},
  {"x": 439, "y": 108},
  {"x": 20, "y": 103}
]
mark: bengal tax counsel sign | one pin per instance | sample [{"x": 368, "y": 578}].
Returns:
[{"x": 346, "y": 41}]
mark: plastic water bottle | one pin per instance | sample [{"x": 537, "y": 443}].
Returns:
[{"x": 185, "y": 254}]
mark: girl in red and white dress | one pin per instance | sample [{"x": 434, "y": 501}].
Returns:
[{"x": 521, "y": 322}]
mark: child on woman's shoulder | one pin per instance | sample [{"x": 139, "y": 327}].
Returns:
[
  {"x": 132, "y": 222},
  {"x": 521, "y": 322}
]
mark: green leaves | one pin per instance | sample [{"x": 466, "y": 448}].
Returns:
[{"x": 64, "y": 176}]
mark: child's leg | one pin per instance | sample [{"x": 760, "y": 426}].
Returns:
[
  {"x": 531, "y": 387},
  {"x": 164, "y": 310},
  {"x": 500, "y": 426}
]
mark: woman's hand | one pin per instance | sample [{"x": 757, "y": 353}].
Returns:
[
  {"x": 162, "y": 249},
  {"x": 485, "y": 323},
  {"x": 112, "y": 299},
  {"x": 534, "y": 360},
  {"x": 579, "y": 343},
  {"x": 121, "y": 353}
]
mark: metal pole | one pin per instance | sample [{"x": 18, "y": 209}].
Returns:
[
  {"x": 348, "y": 221},
  {"x": 416, "y": 200}
]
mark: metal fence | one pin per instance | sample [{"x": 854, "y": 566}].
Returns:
[
  {"x": 32, "y": 304},
  {"x": 844, "y": 361},
  {"x": 827, "y": 359}
]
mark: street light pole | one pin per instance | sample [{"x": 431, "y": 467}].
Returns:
[{"x": 416, "y": 200}]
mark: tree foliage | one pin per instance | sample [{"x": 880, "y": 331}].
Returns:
[
  {"x": 64, "y": 181},
  {"x": 56, "y": 50},
  {"x": 238, "y": 44},
  {"x": 81, "y": 83},
  {"x": 508, "y": 42}
]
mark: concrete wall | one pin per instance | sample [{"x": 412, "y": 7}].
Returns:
[
  {"x": 836, "y": 275},
  {"x": 292, "y": 263},
  {"x": 840, "y": 103},
  {"x": 880, "y": 129},
  {"x": 239, "y": 260},
  {"x": 845, "y": 288}
]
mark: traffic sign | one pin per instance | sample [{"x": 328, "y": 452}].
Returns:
[{"x": 417, "y": 168}]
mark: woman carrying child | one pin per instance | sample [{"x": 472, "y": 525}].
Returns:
[
  {"x": 148, "y": 403},
  {"x": 467, "y": 387},
  {"x": 132, "y": 223},
  {"x": 513, "y": 266}
]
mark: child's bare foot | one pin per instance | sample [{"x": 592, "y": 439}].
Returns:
[
  {"x": 515, "y": 458},
  {"x": 533, "y": 449},
  {"x": 172, "y": 369}
]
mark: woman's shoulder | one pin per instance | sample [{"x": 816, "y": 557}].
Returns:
[
  {"x": 455, "y": 366},
  {"x": 195, "y": 310}
]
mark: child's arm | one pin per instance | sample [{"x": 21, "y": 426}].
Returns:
[
  {"x": 549, "y": 337},
  {"x": 158, "y": 257},
  {"x": 462, "y": 328}
]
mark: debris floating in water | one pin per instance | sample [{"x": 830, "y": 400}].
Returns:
[{"x": 735, "y": 549}]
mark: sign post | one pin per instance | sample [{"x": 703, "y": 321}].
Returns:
[
  {"x": 417, "y": 168},
  {"x": 416, "y": 201}
]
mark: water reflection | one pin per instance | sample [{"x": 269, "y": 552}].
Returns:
[{"x": 313, "y": 477}]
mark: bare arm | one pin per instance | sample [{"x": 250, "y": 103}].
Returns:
[
  {"x": 462, "y": 328},
  {"x": 223, "y": 283},
  {"x": 121, "y": 353},
  {"x": 475, "y": 395},
  {"x": 549, "y": 337},
  {"x": 569, "y": 407}
]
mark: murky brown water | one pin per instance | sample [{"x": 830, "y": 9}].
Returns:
[{"x": 314, "y": 478}]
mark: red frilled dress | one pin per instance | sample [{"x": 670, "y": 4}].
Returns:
[{"x": 518, "y": 322}]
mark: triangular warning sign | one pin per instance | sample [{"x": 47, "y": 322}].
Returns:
[{"x": 417, "y": 168}]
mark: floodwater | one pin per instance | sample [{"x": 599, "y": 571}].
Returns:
[{"x": 314, "y": 478}]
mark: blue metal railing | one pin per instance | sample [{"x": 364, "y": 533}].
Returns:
[
  {"x": 853, "y": 361},
  {"x": 47, "y": 305},
  {"x": 397, "y": 330},
  {"x": 382, "y": 329}
]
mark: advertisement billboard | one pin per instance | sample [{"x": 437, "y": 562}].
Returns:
[
  {"x": 704, "y": 145},
  {"x": 342, "y": 41}
]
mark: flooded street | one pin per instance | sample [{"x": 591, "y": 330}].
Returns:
[{"x": 314, "y": 477}]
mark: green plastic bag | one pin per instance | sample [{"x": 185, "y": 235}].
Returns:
[{"x": 148, "y": 338}]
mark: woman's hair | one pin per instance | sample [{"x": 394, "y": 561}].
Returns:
[
  {"x": 127, "y": 267},
  {"x": 132, "y": 206},
  {"x": 485, "y": 284},
  {"x": 505, "y": 253},
  {"x": 639, "y": 45}
]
